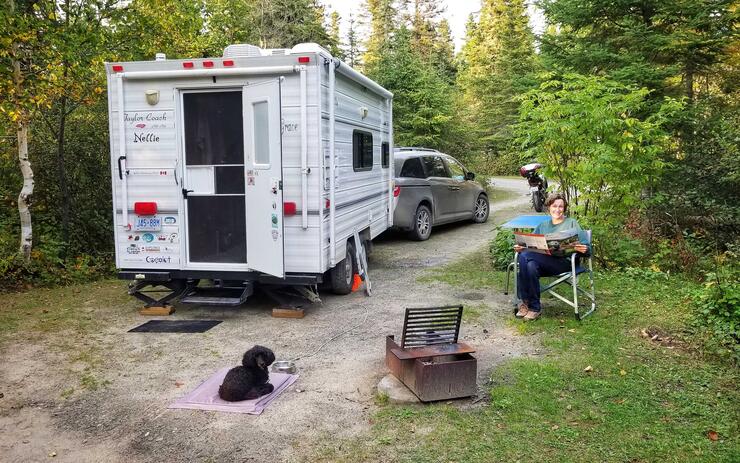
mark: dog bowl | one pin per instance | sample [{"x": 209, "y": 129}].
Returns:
[{"x": 284, "y": 366}]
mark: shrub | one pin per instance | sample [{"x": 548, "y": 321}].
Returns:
[
  {"x": 49, "y": 270},
  {"x": 501, "y": 248},
  {"x": 717, "y": 308}
]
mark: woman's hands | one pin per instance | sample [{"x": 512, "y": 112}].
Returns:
[{"x": 582, "y": 248}]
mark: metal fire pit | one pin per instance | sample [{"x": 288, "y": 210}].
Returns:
[{"x": 429, "y": 360}]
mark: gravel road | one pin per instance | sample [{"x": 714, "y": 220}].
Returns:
[{"x": 127, "y": 420}]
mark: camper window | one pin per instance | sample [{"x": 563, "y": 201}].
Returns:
[
  {"x": 385, "y": 150},
  {"x": 362, "y": 150}
]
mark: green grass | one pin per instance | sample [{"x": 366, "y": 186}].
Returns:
[
  {"x": 72, "y": 309},
  {"x": 473, "y": 312},
  {"x": 641, "y": 401},
  {"x": 66, "y": 320}
]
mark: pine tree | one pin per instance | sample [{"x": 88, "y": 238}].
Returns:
[
  {"x": 443, "y": 52},
  {"x": 352, "y": 52},
  {"x": 382, "y": 17},
  {"x": 496, "y": 65},
  {"x": 284, "y": 23},
  {"x": 424, "y": 19},
  {"x": 335, "y": 42},
  {"x": 422, "y": 102},
  {"x": 659, "y": 44}
]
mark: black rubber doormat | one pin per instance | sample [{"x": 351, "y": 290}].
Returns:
[{"x": 175, "y": 326}]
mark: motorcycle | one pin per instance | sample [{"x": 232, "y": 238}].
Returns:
[{"x": 537, "y": 184}]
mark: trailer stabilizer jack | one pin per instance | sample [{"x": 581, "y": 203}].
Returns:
[{"x": 168, "y": 290}]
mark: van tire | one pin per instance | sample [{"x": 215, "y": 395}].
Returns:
[
  {"x": 481, "y": 209},
  {"x": 422, "y": 224},
  {"x": 343, "y": 273}
]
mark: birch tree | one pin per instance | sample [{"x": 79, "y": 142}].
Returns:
[{"x": 22, "y": 85}]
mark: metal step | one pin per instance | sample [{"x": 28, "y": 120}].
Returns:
[{"x": 218, "y": 296}]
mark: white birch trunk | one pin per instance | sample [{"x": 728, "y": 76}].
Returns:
[{"x": 24, "y": 198}]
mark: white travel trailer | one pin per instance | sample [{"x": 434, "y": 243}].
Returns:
[{"x": 260, "y": 166}]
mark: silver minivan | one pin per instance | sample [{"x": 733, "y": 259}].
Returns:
[{"x": 433, "y": 188}]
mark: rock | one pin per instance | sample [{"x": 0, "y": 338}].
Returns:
[{"x": 396, "y": 391}]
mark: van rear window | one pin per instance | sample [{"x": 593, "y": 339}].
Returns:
[{"x": 412, "y": 168}]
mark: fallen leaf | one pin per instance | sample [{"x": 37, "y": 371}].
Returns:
[
  {"x": 713, "y": 436},
  {"x": 644, "y": 333},
  {"x": 562, "y": 322},
  {"x": 178, "y": 384},
  {"x": 588, "y": 369},
  {"x": 622, "y": 372},
  {"x": 555, "y": 427},
  {"x": 569, "y": 407},
  {"x": 572, "y": 330}
]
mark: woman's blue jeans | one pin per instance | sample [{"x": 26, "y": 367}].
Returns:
[{"x": 532, "y": 266}]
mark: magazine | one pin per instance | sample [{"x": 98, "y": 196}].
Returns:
[{"x": 553, "y": 244}]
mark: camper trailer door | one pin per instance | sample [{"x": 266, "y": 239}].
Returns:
[
  {"x": 264, "y": 178},
  {"x": 213, "y": 183}
]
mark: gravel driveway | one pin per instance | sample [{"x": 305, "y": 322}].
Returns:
[{"x": 127, "y": 420}]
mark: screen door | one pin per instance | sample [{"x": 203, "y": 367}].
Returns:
[{"x": 213, "y": 184}]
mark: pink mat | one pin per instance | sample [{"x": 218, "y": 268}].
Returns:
[{"x": 205, "y": 396}]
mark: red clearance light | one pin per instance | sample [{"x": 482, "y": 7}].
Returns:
[
  {"x": 228, "y": 62},
  {"x": 303, "y": 59},
  {"x": 207, "y": 64},
  {"x": 145, "y": 208},
  {"x": 117, "y": 68},
  {"x": 328, "y": 204},
  {"x": 396, "y": 191},
  {"x": 289, "y": 208},
  {"x": 188, "y": 65}
]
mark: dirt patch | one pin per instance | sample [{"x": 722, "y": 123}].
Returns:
[
  {"x": 663, "y": 338},
  {"x": 339, "y": 346}
]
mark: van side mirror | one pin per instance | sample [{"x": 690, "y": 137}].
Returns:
[{"x": 470, "y": 176}]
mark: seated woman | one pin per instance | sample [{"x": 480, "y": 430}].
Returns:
[{"x": 533, "y": 265}]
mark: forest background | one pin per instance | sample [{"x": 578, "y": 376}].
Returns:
[{"x": 633, "y": 106}]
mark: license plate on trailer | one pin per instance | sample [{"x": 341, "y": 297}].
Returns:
[{"x": 148, "y": 224}]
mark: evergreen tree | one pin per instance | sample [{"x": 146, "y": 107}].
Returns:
[
  {"x": 497, "y": 64},
  {"x": 422, "y": 103},
  {"x": 335, "y": 42},
  {"x": 352, "y": 52},
  {"x": 382, "y": 16},
  {"x": 443, "y": 52},
  {"x": 648, "y": 43},
  {"x": 424, "y": 18}
]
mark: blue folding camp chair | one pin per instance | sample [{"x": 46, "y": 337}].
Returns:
[{"x": 571, "y": 278}]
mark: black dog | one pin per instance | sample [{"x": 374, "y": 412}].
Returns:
[{"x": 250, "y": 380}]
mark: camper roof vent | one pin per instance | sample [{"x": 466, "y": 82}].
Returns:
[
  {"x": 242, "y": 50},
  {"x": 279, "y": 51}
]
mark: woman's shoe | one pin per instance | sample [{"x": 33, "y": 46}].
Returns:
[
  {"x": 533, "y": 315},
  {"x": 523, "y": 309}
]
